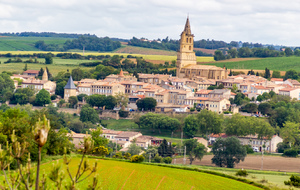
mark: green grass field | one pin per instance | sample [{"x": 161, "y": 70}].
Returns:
[
  {"x": 123, "y": 175},
  {"x": 57, "y": 66},
  {"x": 273, "y": 63},
  {"x": 27, "y": 43}
]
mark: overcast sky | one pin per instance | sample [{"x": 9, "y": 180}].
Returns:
[{"x": 262, "y": 21}]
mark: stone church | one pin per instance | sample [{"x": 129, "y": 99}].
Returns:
[{"x": 187, "y": 63}]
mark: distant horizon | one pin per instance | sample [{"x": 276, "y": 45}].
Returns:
[{"x": 135, "y": 36}]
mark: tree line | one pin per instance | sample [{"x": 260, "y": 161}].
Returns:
[
  {"x": 44, "y": 34},
  {"x": 261, "y": 52},
  {"x": 91, "y": 43}
]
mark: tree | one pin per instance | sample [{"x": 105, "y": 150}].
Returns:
[
  {"x": 134, "y": 149},
  {"x": 122, "y": 99},
  {"x": 48, "y": 59},
  {"x": 259, "y": 98},
  {"x": 43, "y": 98},
  {"x": 228, "y": 152},
  {"x": 190, "y": 126},
  {"x": 80, "y": 97},
  {"x": 165, "y": 149},
  {"x": 146, "y": 104},
  {"x": 73, "y": 101},
  {"x": 6, "y": 87},
  {"x": 209, "y": 122},
  {"x": 297, "y": 52},
  {"x": 77, "y": 74},
  {"x": 267, "y": 73},
  {"x": 59, "y": 90},
  {"x": 194, "y": 149},
  {"x": 110, "y": 102},
  {"x": 265, "y": 108},
  {"x": 233, "y": 52},
  {"x": 219, "y": 55},
  {"x": 98, "y": 139},
  {"x": 251, "y": 108},
  {"x": 288, "y": 52},
  {"x": 290, "y": 133},
  {"x": 276, "y": 74},
  {"x": 88, "y": 113},
  {"x": 61, "y": 102},
  {"x": 291, "y": 74},
  {"x": 96, "y": 100},
  {"x": 25, "y": 67}
]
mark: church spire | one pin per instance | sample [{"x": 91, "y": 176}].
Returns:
[
  {"x": 187, "y": 28},
  {"x": 45, "y": 75}
]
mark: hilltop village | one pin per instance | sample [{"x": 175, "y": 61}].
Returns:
[{"x": 190, "y": 88}]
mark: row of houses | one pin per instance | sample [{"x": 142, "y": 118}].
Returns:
[
  {"x": 268, "y": 145},
  {"x": 122, "y": 138},
  {"x": 125, "y": 138}
]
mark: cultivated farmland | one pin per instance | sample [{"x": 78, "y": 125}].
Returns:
[
  {"x": 124, "y": 175},
  {"x": 272, "y": 63}
]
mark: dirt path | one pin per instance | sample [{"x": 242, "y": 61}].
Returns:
[{"x": 274, "y": 163}]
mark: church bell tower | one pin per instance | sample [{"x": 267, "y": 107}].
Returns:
[{"x": 186, "y": 55}]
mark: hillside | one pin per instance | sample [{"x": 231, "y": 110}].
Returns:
[
  {"x": 272, "y": 63},
  {"x": 123, "y": 175},
  {"x": 26, "y": 43},
  {"x": 144, "y": 51}
]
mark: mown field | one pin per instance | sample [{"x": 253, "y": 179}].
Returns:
[
  {"x": 123, "y": 175},
  {"x": 27, "y": 43},
  {"x": 273, "y": 63}
]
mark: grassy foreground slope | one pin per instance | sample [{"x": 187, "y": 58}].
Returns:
[
  {"x": 272, "y": 63},
  {"x": 124, "y": 175}
]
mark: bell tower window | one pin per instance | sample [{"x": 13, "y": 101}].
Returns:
[
  {"x": 190, "y": 48},
  {"x": 187, "y": 40},
  {"x": 190, "y": 40}
]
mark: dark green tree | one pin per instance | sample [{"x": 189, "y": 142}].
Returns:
[
  {"x": 251, "y": 108},
  {"x": 97, "y": 100},
  {"x": 291, "y": 74},
  {"x": 88, "y": 113},
  {"x": 190, "y": 126},
  {"x": 48, "y": 59},
  {"x": 219, "y": 55},
  {"x": 73, "y": 101},
  {"x": 165, "y": 149},
  {"x": 288, "y": 52},
  {"x": 146, "y": 104},
  {"x": 276, "y": 74},
  {"x": 194, "y": 150},
  {"x": 43, "y": 98},
  {"x": 80, "y": 97},
  {"x": 110, "y": 102},
  {"x": 228, "y": 152},
  {"x": 60, "y": 88},
  {"x": 77, "y": 74}
]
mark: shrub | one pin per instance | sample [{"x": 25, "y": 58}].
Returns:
[
  {"x": 141, "y": 158},
  {"x": 243, "y": 173},
  {"x": 118, "y": 155},
  {"x": 294, "y": 181},
  {"x": 249, "y": 149},
  {"x": 137, "y": 158},
  {"x": 127, "y": 156},
  {"x": 167, "y": 160},
  {"x": 290, "y": 153},
  {"x": 192, "y": 109},
  {"x": 123, "y": 113},
  {"x": 157, "y": 159}
]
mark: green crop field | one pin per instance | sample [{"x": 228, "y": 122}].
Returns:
[
  {"x": 57, "y": 66},
  {"x": 273, "y": 63},
  {"x": 27, "y": 43},
  {"x": 124, "y": 175}
]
